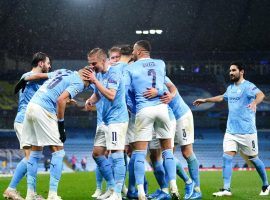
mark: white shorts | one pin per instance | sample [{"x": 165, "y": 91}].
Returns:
[
  {"x": 247, "y": 144},
  {"x": 155, "y": 143},
  {"x": 18, "y": 128},
  {"x": 149, "y": 117},
  {"x": 113, "y": 137},
  {"x": 184, "y": 134},
  {"x": 100, "y": 140},
  {"x": 130, "y": 137},
  {"x": 40, "y": 127}
]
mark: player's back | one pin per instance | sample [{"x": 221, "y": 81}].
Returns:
[
  {"x": 114, "y": 111},
  {"x": 143, "y": 74},
  {"x": 26, "y": 96},
  {"x": 49, "y": 92},
  {"x": 177, "y": 104}
]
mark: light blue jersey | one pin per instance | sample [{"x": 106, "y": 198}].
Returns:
[
  {"x": 98, "y": 106},
  {"x": 177, "y": 104},
  {"x": 143, "y": 74},
  {"x": 62, "y": 80},
  {"x": 113, "y": 111},
  {"x": 241, "y": 119},
  {"x": 25, "y": 97}
]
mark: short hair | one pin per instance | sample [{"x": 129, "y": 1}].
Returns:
[
  {"x": 37, "y": 57},
  {"x": 126, "y": 50},
  {"x": 238, "y": 64},
  {"x": 114, "y": 49},
  {"x": 144, "y": 44},
  {"x": 99, "y": 52}
]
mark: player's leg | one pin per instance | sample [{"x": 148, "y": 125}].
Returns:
[
  {"x": 144, "y": 127},
  {"x": 105, "y": 168},
  {"x": 32, "y": 167},
  {"x": 164, "y": 133},
  {"x": 115, "y": 141},
  {"x": 56, "y": 166},
  {"x": 21, "y": 168},
  {"x": 99, "y": 179},
  {"x": 159, "y": 171},
  {"x": 230, "y": 147},
  {"x": 249, "y": 147}
]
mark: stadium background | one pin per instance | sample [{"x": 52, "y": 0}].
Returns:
[{"x": 199, "y": 39}]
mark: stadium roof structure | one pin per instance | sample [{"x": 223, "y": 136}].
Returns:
[{"x": 69, "y": 28}]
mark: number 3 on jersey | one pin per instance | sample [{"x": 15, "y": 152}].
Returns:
[{"x": 152, "y": 72}]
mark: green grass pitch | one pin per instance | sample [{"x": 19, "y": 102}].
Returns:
[{"x": 80, "y": 185}]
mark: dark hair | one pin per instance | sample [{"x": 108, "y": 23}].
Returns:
[
  {"x": 144, "y": 44},
  {"x": 100, "y": 53},
  {"x": 126, "y": 50},
  {"x": 37, "y": 57},
  {"x": 238, "y": 64}
]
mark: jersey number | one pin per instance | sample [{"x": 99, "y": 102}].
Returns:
[
  {"x": 152, "y": 72},
  {"x": 114, "y": 137},
  {"x": 54, "y": 82}
]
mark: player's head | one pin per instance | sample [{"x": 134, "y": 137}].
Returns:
[
  {"x": 42, "y": 61},
  {"x": 126, "y": 51},
  {"x": 140, "y": 49},
  {"x": 236, "y": 71},
  {"x": 114, "y": 54},
  {"x": 97, "y": 59}
]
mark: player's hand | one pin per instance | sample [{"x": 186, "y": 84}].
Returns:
[
  {"x": 91, "y": 77},
  {"x": 88, "y": 105},
  {"x": 166, "y": 97},
  {"x": 71, "y": 102},
  {"x": 199, "y": 102},
  {"x": 150, "y": 93},
  {"x": 252, "y": 106},
  {"x": 61, "y": 128},
  {"x": 86, "y": 73},
  {"x": 20, "y": 85}
]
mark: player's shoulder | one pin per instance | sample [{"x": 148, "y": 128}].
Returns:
[{"x": 27, "y": 74}]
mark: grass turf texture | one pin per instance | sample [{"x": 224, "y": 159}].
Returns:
[{"x": 81, "y": 185}]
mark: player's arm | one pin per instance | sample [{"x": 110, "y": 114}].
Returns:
[
  {"x": 108, "y": 93},
  {"x": 61, "y": 106},
  {"x": 22, "y": 82},
  {"x": 259, "y": 98},
  {"x": 89, "y": 104},
  {"x": 36, "y": 76},
  {"x": 168, "y": 96},
  {"x": 215, "y": 99}
]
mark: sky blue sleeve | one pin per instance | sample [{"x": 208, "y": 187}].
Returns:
[
  {"x": 252, "y": 90},
  {"x": 114, "y": 80},
  {"x": 74, "y": 89}
]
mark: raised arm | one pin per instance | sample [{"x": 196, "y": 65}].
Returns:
[{"x": 215, "y": 99}]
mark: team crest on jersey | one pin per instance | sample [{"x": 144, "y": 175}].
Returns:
[{"x": 112, "y": 81}]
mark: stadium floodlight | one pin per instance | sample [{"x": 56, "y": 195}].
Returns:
[
  {"x": 159, "y": 31},
  {"x": 182, "y": 68},
  {"x": 139, "y": 32},
  {"x": 146, "y": 32},
  {"x": 152, "y": 31}
]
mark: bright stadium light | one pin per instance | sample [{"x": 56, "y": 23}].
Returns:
[
  {"x": 145, "y": 32},
  {"x": 138, "y": 32},
  {"x": 159, "y": 31},
  {"x": 152, "y": 31}
]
